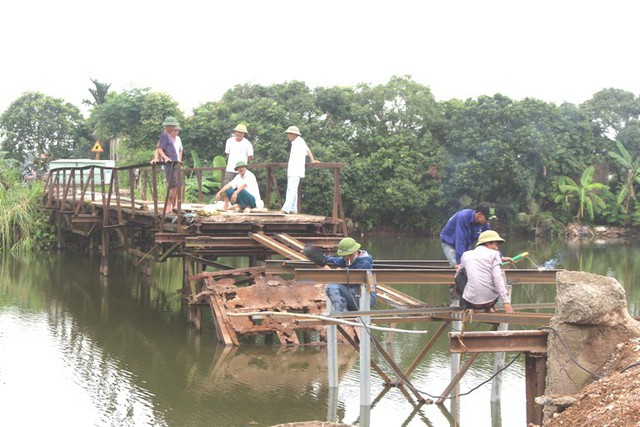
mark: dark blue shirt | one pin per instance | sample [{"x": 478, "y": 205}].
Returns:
[
  {"x": 166, "y": 143},
  {"x": 462, "y": 231},
  {"x": 364, "y": 261}
]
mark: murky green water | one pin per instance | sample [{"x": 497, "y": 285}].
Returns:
[{"x": 80, "y": 350}]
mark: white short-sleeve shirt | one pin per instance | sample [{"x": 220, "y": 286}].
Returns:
[
  {"x": 252, "y": 184},
  {"x": 237, "y": 150},
  {"x": 297, "y": 157}
]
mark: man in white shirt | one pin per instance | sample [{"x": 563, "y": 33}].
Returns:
[
  {"x": 238, "y": 148},
  {"x": 296, "y": 168},
  {"x": 242, "y": 191}
]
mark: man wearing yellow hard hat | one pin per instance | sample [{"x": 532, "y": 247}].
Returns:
[
  {"x": 485, "y": 279},
  {"x": 238, "y": 149},
  {"x": 346, "y": 297}
]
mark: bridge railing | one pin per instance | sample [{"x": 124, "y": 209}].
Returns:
[{"x": 78, "y": 191}]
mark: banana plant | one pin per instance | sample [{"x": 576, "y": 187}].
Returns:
[
  {"x": 627, "y": 192},
  {"x": 586, "y": 193},
  {"x": 211, "y": 180}
]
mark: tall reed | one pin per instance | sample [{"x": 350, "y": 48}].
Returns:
[{"x": 23, "y": 225}]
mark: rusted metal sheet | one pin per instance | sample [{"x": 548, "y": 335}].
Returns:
[
  {"x": 274, "y": 294},
  {"x": 490, "y": 342}
]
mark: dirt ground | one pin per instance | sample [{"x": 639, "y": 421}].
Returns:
[{"x": 613, "y": 400}]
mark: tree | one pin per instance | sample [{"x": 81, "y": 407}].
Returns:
[
  {"x": 613, "y": 110},
  {"x": 37, "y": 127},
  {"x": 99, "y": 93},
  {"x": 586, "y": 193},
  {"x": 134, "y": 118}
]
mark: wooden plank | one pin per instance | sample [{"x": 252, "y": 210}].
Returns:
[
  {"x": 277, "y": 246},
  {"x": 224, "y": 329}
]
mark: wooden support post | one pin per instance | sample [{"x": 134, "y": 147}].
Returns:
[{"x": 535, "y": 368}]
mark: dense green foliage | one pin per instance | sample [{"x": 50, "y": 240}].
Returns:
[
  {"x": 36, "y": 127},
  {"x": 411, "y": 161}
]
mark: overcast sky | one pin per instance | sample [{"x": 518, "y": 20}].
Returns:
[{"x": 554, "y": 50}]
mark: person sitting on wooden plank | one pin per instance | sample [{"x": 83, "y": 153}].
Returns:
[{"x": 485, "y": 279}]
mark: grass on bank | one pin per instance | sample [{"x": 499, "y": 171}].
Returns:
[{"x": 24, "y": 227}]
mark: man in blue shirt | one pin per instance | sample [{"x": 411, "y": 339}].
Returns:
[
  {"x": 461, "y": 233},
  {"x": 345, "y": 297}
]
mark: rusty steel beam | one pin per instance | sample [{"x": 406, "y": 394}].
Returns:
[
  {"x": 498, "y": 341},
  {"x": 438, "y": 314},
  {"x": 287, "y": 266},
  {"x": 412, "y": 277},
  {"x": 231, "y": 241}
]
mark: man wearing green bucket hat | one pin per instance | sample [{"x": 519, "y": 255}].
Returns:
[
  {"x": 485, "y": 279},
  {"x": 166, "y": 152},
  {"x": 344, "y": 296},
  {"x": 242, "y": 191}
]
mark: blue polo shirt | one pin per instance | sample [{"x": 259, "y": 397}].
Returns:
[{"x": 462, "y": 232}]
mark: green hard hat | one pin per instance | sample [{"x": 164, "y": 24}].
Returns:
[
  {"x": 347, "y": 246},
  {"x": 240, "y": 164},
  {"x": 170, "y": 121}
]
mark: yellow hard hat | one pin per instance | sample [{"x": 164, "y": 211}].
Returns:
[{"x": 241, "y": 128}]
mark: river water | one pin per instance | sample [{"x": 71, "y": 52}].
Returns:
[{"x": 80, "y": 350}]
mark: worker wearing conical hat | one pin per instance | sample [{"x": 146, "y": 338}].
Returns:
[
  {"x": 485, "y": 279},
  {"x": 295, "y": 168}
]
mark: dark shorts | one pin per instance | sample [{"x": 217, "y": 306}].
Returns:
[
  {"x": 467, "y": 304},
  {"x": 171, "y": 173}
]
